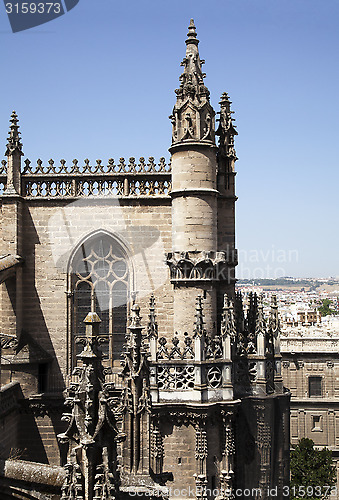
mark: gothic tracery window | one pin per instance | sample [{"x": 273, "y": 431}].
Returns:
[{"x": 100, "y": 283}]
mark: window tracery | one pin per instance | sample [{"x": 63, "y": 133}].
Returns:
[{"x": 100, "y": 277}]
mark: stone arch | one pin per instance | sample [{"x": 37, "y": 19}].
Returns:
[{"x": 100, "y": 279}]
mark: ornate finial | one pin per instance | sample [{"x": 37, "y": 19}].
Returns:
[
  {"x": 260, "y": 324},
  {"x": 135, "y": 317},
  {"x": 91, "y": 340},
  {"x": 152, "y": 327},
  {"x": 239, "y": 312},
  {"x": 14, "y": 143},
  {"x": 193, "y": 116},
  {"x": 274, "y": 324},
  {"x": 14, "y": 118},
  {"x": 252, "y": 312},
  {"x": 226, "y": 130},
  {"x": 199, "y": 318},
  {"x": 227, "y": 322},
  {"x": 192, "y": 34}
]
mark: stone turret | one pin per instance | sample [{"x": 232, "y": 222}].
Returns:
[{"x": 199, "y": 265}]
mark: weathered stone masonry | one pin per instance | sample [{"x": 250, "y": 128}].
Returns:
[{"x": 170, "y": 381}]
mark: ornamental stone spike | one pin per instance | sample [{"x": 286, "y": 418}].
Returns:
[
  {"x": 274, "y": 324},
  {"x": 227, "y": 329},
  {"x": 152, "y": 329},
  {"x": 14, "y": 143},
  {"x": 13, "y": 153},
  {"x": 260, "y": 328},
  {"x": 199, "y": 318},
  {"x": 90, "y": 341},
  {"x": 92, "y": 434},
  {"x": 225, "y": 317}
]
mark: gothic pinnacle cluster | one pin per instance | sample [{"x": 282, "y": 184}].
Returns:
[
  {"x": 193, "y": 116},
  {"x": 91, "y": 435}
]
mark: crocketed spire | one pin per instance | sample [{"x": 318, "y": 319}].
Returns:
[
  {"x": 193, "y": 116},
  {"x": 226, "y": 130},
  {"x": 14, "y": 143}
]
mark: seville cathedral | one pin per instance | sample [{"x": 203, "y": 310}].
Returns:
[{"x": 129, "y": 365}]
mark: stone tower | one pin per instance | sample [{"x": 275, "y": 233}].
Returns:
[
  {"x": 203, "y": 257},
  {"x": 177, "y": 391}
]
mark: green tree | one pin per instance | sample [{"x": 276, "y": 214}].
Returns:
[
  {"x": 312, "y": 471},
  {"x": 325, "y": 309}
]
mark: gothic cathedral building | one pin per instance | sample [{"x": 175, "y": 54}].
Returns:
[{"x": 129, "y": 364}]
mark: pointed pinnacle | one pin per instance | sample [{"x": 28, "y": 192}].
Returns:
[
  {"x": 152, "y": 326},
  {"x": 14, "y": 143},
  {"x": 192, "y": 34},
  {"x": 199, "y": 318},
  {"x": 14, "y": 118}
]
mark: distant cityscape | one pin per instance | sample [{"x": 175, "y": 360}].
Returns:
[
  {"x": 309, "y": 345},
  {"x": 301, "y": 300}
]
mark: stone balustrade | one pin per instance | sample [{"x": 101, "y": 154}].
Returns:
[{"x": 76, "y": 180}]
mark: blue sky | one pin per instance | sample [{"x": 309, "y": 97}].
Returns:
[{"x": 99, "y": 82}]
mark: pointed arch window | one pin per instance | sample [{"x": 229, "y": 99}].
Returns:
[{"x": 100, "y": 282}]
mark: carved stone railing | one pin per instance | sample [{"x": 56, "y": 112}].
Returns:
[
  {"x": 124, "y": 179},
  {"x": 196, "y": 368}
]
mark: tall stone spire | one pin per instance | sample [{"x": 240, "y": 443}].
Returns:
[
  {"x": 13, "y": 153},
  {"x": 193, "y": 116},
  {"x": 14, "y": 143}
]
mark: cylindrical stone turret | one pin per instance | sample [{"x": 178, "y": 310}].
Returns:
[{"x": 194, "y": 194}]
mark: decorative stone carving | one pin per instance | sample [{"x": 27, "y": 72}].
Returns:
[
  {"x": 200, "y": 265},
  {"x": 14, "y": 143},
  {"x": 201, "y": 486},
  {"x": 201, "y": 448},
  {"x": 228, "y": 327},
  {"x": 162, "y": 350},
  {"x": 157, "y": 447},
  {"x": 193, "y": 116},
  {"x": 176, "y": 352},
  {"x": 188, "y": 350},
  {"x": 199, "y": 330},
  {"x": 214, "y": 377},
  {"x": 213, "y": 348},
  {"x": 152, "y": 327},
  {"x": 176, "y": 377},
  {"x": 92, "y": 433},
  {"x": 226, "y": 130}
]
